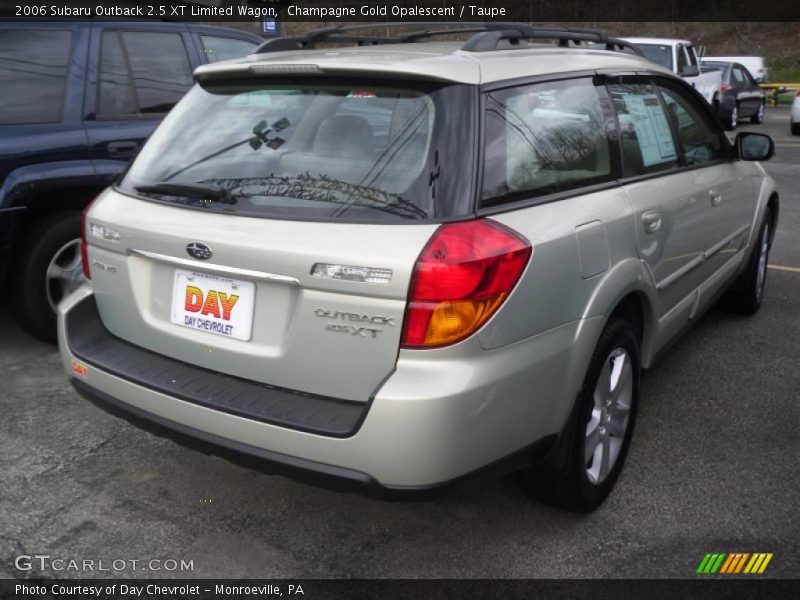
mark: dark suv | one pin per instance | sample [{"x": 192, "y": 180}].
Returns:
[{"x": 78, "y": 100}]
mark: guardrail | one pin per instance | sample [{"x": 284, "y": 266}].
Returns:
[{"x": 778, "y": 89}]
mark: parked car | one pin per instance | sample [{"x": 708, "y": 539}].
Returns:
[
  {"x": 680, "y": 57},
  {"x": 79, "y": 99},
  {"x": 471, "y": 291},
  {"x": 794, "y": 118},
  {"x": 755, "y": 65},
  {"x": 741, "y": 96}
]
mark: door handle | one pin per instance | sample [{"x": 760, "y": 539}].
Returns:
[
  {"x": 715, "y": 196},
  {"x": 124, "y": 149},
  {"x": 651, "y": 221}
]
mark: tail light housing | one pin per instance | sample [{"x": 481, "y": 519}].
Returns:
[
  {"x": 724, "y": 88},
  {"x": 84, "y": 248},
  {"x": 798, "y": 92},
  {"x": 464, "y": 274}
]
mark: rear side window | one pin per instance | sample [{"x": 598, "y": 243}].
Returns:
[
  {"x": 543, "y": 139},
  {"x": 220, "y": 48},
  {"x": 701, "y": 140},
  {"x": 33, "y": 75},
  {"x": 645, "y": 137},
  {"x": 743, "y": 76},
  {"x": 142, "y": 73}
]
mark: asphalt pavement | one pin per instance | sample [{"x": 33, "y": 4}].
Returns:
[{"x": 713, "y": 467}]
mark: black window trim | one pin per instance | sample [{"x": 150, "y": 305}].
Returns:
[
  {"x": 67, "y": 74},
  {"x": 139, "y": 115}
]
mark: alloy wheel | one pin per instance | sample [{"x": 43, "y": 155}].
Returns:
[
  {"x": 64, "y": 274},
  {"x": 608, "y": 422}
]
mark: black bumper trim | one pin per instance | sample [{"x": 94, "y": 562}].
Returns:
[
  {"x": 90, "y": 342},
  {"x": 300, "y": 469}
]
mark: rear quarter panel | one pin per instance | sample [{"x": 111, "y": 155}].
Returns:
[{"x": 572, "y": 239}]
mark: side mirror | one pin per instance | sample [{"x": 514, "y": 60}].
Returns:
[
  {"x": 690, "y": 71},
  {"x": 754, "y": 146}
]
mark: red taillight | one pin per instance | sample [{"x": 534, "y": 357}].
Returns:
[
  {"x": 798, "y": 93},
  {"x": 724, "y": 88},
  {"x": 462, "y": 277},
  {"x": 84, "y": 250}
]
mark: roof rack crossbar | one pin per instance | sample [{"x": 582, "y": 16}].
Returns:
[{"x": 487, "y": 36}]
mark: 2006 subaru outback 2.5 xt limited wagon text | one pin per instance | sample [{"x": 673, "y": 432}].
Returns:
[{"x": 395, "y": 267}]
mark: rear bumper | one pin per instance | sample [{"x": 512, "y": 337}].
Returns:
[
  {"x": 90, "y": 342},
  {"x": 435, "y": 422},
  {"x": 306, "y": 471}
]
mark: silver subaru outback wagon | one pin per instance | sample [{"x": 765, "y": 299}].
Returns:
[{"x": 394, "y": 265}]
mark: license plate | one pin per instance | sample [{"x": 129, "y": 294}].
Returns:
[{"x": 213, "y": 304}]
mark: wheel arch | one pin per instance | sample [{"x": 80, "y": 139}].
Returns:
[
  {"x": 627, "y": 291},
  {"x": 68, "y": 199}
]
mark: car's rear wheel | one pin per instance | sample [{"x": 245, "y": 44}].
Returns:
[
  {"x": 758, "y": 118},
  {"x": 600, "y": 430},
  {"x": 47, "y": 269},
  {"x": 747, "y": 293}
]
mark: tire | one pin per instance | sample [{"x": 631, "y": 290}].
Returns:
[
  {"x": 795, "y": 128},
  {"x": 758, "y": 118},
  {"x": 732, "y": 120},
  {"x": 747, "y": 293},
  {"x": 584, "y": 480},
  {"x": 51, "y": 242}
]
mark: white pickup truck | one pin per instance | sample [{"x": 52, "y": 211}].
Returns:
[{"x": 680, "y": 57}]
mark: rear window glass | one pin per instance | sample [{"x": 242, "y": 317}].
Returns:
[
  {"x": 351, "y": 152},
  {"x": 33, "y": 72},
  {"x": 658, "y": 53},
  {"x": 543, "y": 139}
]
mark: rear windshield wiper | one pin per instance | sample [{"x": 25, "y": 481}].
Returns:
[{"x": 205, "y": 193}]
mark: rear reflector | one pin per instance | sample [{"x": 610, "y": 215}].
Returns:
[{"x": 464, "y": 274}]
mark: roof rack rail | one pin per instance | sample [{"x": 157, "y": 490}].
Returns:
[{"x": 487, "y": 36}]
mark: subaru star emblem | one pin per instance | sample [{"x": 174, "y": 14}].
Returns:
[{"x": 199, "y": 250}]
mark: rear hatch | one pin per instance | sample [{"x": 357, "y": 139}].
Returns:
[{"x": 269, "y": 231}]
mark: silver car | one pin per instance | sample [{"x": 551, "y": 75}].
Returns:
[{"x": 401, "y": 266}]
